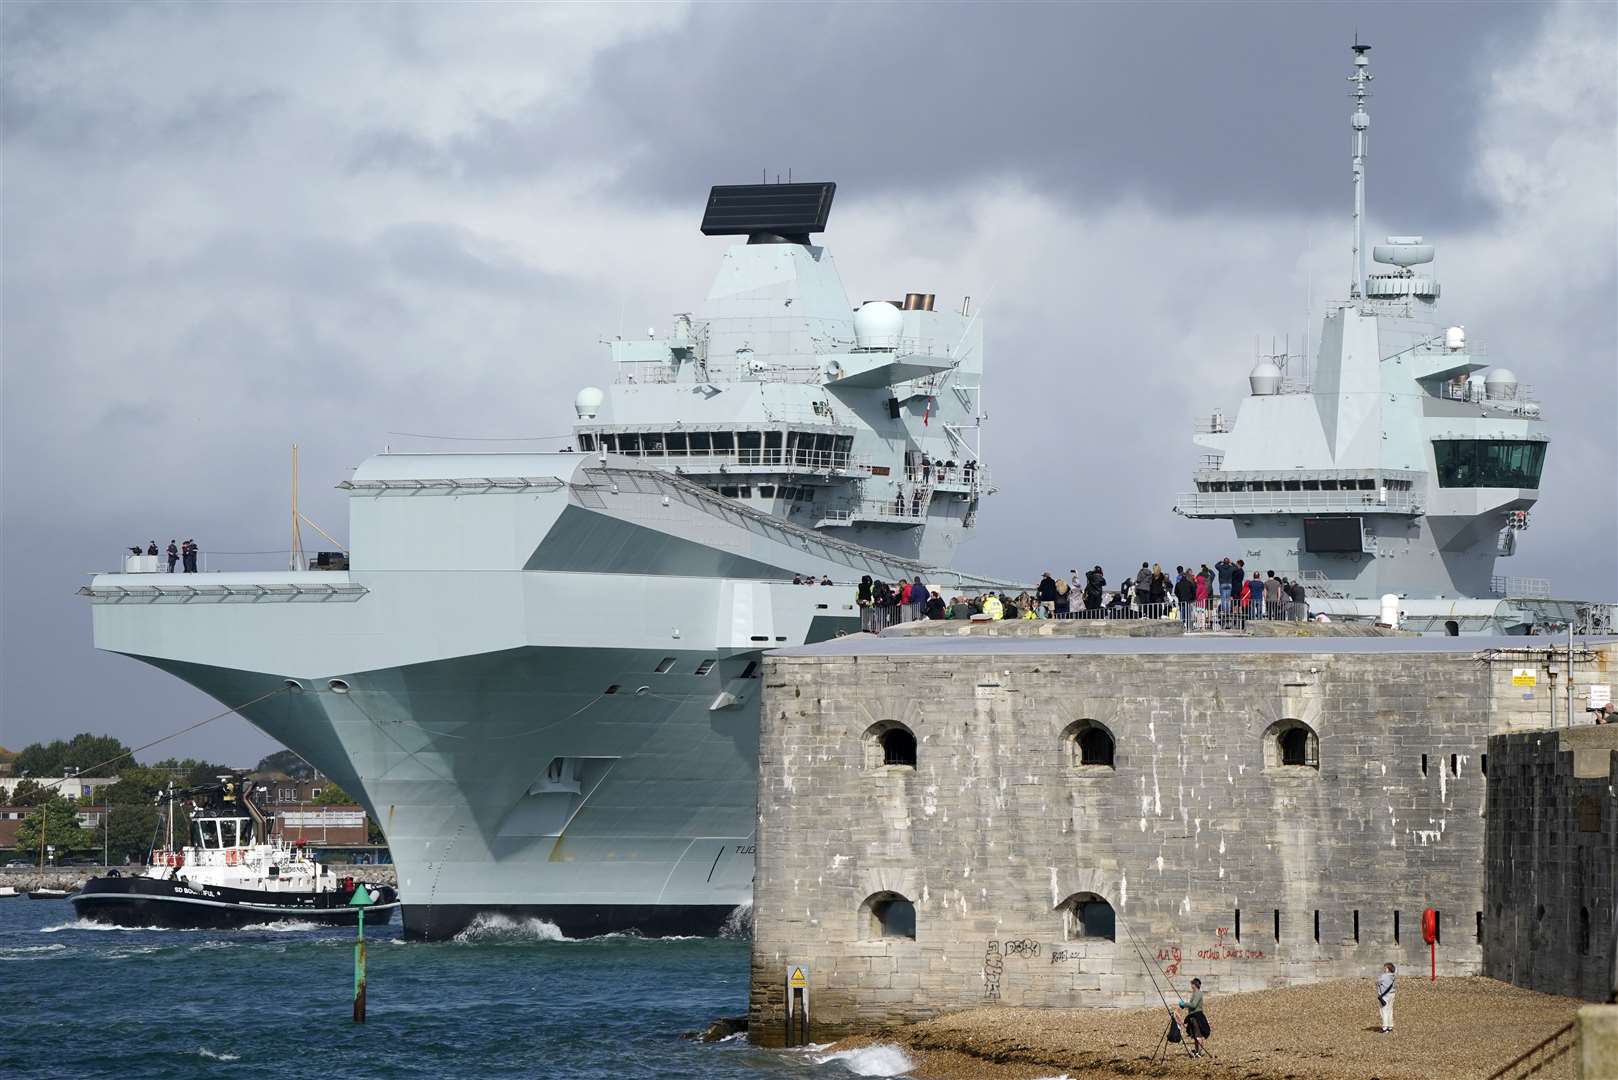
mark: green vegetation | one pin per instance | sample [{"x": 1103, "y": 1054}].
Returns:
[
  {"x": 82, "y": 752},
  {"x": 286, "y": 763},
  {"x": 61, "y": 825}
]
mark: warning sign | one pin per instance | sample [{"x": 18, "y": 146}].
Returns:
[
  {"x": 798, "y": 979},
  {"x": 1600, "y": 695},
  {"x": 1524, "y": 676}
]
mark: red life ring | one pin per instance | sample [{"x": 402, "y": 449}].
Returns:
[
  {"x": 1429, "y": 926},
  {"x": 232, "y": 856}
]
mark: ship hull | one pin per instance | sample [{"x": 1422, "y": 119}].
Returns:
[
  {"x": 562, "y": 725},
  {"x": 436, "y": 922},
  {"x": 142, "y": 903}
]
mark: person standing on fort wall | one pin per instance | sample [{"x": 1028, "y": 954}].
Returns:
[{"x": 1384, "y": 997}]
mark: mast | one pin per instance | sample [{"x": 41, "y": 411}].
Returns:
[
  {"x": 1360, "y": 122},
  {"x": 295, "y": 557}
]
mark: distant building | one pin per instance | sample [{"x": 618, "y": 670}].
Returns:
[
  {"x": 11, "y": 819},
  {"x": 323, "y": 826},
  {"x": 70, "y": 787}
]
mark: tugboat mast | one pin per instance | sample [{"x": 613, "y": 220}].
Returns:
[{"x": 1360, "y": 122}]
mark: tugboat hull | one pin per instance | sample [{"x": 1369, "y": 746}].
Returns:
[{"x": 138, "y": 902}]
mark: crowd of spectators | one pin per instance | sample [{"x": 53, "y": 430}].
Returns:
[{"x": 1210, "y": 597}]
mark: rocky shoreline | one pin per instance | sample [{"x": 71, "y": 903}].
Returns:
[{"x": 1327, "y": 1031}]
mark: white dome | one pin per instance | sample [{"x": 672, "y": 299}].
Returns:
[
  {"x": 876, "y": 325},
  {"x": 1501, "y": 383},
  {"x": 1455, "y": 338},
  {"x": 588, "y": 402},
  {"x": 1265, "y": 378}
]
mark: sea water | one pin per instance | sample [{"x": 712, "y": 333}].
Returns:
[{"x": 507, "y": 998}]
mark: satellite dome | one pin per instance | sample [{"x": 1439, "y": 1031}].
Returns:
[
  {"x": 1455, "y": 338},
  {"x": 876, "y": 325},
  {"x": 1403, "y": 251},
  {"x": 1501, "y": 383},
  {"x": 588, "y": 402},
  {"x": 1265, "y": 378}
]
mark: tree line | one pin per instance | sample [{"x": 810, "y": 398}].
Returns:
[{"x": 131, "y": 826}]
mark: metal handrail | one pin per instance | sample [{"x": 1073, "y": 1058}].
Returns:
[
  {"x": 1506, "y": 1071},
  {"x": 1397, "y": 502}
]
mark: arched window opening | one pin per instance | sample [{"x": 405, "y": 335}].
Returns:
[
  {"x": 898, "y": 747},
  {"x": 1086, "y": 915},
  {"x": 890, "y": 745},
  {"x": 1291, "y": 745},
  {"x": 889, "y": 915},
  {"x": 1088, "y": 745}
]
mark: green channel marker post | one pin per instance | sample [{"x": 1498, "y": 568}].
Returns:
[{"x": 362, "y": 897}]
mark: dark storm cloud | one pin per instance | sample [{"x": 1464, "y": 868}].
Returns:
[{"x": 1191, "y": 106}]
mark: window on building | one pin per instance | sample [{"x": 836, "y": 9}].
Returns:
[
  {"x": 1278, "y": 926},
  {"x": 1488, "y": 463},
  {"x": 889, "y": 745},
  {"x": 1291, "y": 745},
  {"x": 1086, "y": 915},
  {"x": 889, "y": 915},
  {"x": 1356, "y": 926},
  {"x": 1088, "y": 745},
  {"x": 1584, "y": 930},
  {"x": 1455, "y": 764}
]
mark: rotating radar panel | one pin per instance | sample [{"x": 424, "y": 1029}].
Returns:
[{"x": 785, "y": 210}]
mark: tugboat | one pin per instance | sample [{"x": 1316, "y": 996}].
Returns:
[{"x": 233, "y": 875}]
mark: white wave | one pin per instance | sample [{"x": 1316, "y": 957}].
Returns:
[
  {"x": 489, "y": 927},
  {"x": 86, "y": 924},
  {"x": 24, "y": 950},
  {"x": 883, "y": 1059},
  {"x": 217, "y": 1055},
  {"x": 739, "y": 923},
  {"x": 289, "y": 925}
]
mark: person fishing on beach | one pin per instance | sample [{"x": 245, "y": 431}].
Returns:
[{"x": 1196, "y": 1021}]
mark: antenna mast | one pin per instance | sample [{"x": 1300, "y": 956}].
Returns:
[
  {"x": 295, "y": 557},
  {"x": 1360, "y": 122}
]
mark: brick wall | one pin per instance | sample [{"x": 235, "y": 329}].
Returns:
[
  {"x": 995, "y": 827},
  {"x": 1552, "y": 851}
]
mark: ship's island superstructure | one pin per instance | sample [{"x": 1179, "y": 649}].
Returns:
[
  {"x": 539, "y": 671},
  {"x": 1401, "y": 464}
]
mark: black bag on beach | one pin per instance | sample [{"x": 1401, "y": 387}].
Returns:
[{"x": 1174, "y": 1031}]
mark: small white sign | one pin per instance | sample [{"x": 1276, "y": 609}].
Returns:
[{"x": 1600, "y": 695}]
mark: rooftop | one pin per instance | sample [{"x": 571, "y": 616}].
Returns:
[{"x": 870, "y": 645}]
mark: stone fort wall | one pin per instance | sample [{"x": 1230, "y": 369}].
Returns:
[
  {"x": 1217, "y": 858},
  {"x": 1553, "y": 862}
]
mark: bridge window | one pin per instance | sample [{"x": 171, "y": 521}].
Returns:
[
  {"x": 629, "y": 443},
  {"x": 889, "y": 915},
  {"x": 1086, "y": 915},
  {"x": 1488, "y": 463}
]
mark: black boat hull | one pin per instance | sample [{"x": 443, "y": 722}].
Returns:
[
  {"x": 438, "y": 922},
  {"x": 138, "y": 902}
]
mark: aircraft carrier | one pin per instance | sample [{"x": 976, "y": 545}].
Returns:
[
  {"x": 539, "y": 672},
  {"x": 1390, "y": 471}
]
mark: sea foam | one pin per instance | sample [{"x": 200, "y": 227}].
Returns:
[{"x": 884, "y": 1059}]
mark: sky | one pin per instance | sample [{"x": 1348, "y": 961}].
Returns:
[{"x": 228, "y": 228}]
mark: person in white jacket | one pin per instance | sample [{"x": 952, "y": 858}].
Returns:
[{"x": 1384, "y": 997}]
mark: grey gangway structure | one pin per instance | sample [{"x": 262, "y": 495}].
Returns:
[
  {"x": 1400, "y": 463},
  {"x": 540, "y": 671}
]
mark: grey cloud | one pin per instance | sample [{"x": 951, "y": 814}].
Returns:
[
  {"x": 192, "y": 283},
  {"x": 1193, "y": 107}
]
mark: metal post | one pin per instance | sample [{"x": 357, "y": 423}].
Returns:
[
  {"x": 1570, "y": 673},
  {"x": 359, "y": 972}
]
